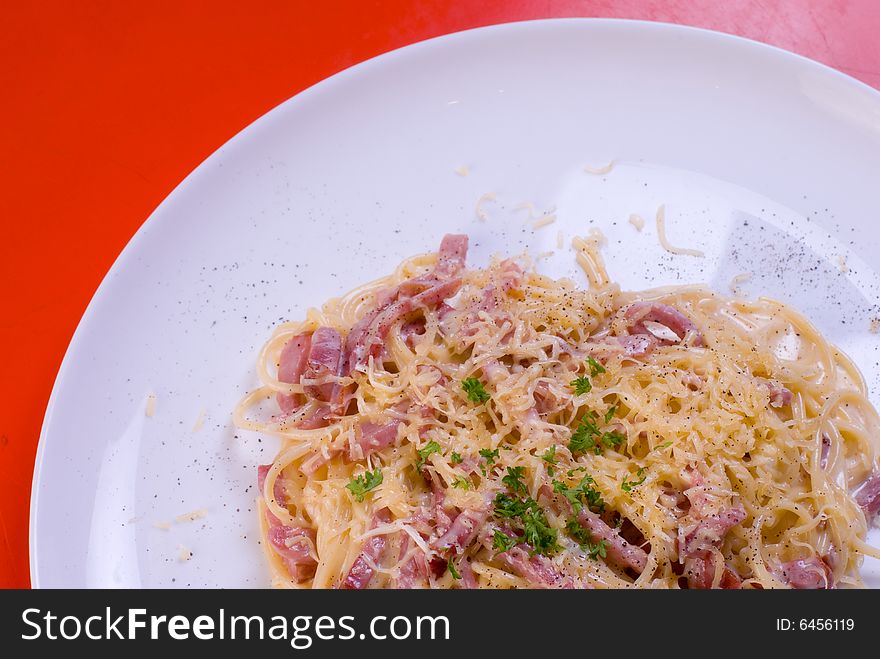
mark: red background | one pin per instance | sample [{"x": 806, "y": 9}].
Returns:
[{"x": 106, "y": 106}]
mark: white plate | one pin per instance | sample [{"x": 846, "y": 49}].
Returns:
[{"x": 766, "y": 161}]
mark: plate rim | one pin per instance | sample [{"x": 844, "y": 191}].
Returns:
[{"x": 340, "y": 77}]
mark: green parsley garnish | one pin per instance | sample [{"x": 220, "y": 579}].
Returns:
[
  {"x": 627, "y": 486},
  {"x": 503, "y": 542},
  {"x": 582, "y": 494},
  {"x": 582, "y": 536},
  {"x": 550, "y": 458},
  {"x": 581, "y": 385},
  {"x": 455, "y": 458},
  {"x": 662, "y": 446},
  {"x": 584, "y": 438},
  {"x": 537, "y": 532},
  {"x": 475, "y": 391},
  {"x": 462, "y": 483},
  {"x": 513, "y": 480},
  {"x": 508, "y": 506},
  {"x": 451, "y": 567},
  {"x": 588, "y": 437},
  {"x": 595, "y": 367},
  {"x": 612, "y": 438},
  {"x": 489, "y": 455},
  {"x": 362, "y": 484},
  {"x": 430, "y": 447},
  {"x": 610, "y": 413},
  {"x": 619, "y": 522}
]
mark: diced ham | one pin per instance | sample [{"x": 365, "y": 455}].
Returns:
[
  {"x": 375, "y": 437},
  {"x": 312, "y": 356},
  {"x": 291, "y": 365},
  {"x": 812, "y": 573},
  {"x": 619, "y": 551},
  {"x": 367, "y": 337},
  {"x": 410, "y": 330},
  {"x": 325, "y": 359},
  {"x": 294, "y": 546},
  {"x": 442, "y": 519},
  {"x": 710, "y": 531},
  {"x": 780, "y": 396},
  {"x": 451, "y": 255},
  {"x": 413, "y": 572},
  {"x": 278, "y": 490},
  {"x": 700, "y": 573},
  {"x": 549, "y": 400},
  {"x": 463, "y": 531},
  {"x": 701, "y": 534},
  {"x": 292, "y": 543},
  {"x": 361, "y": 571},
  {"x": 510, "y": 275},
  {"x": 468, "y": 580},
  {"x": 317, "y": 419},
  {"x": 537, "y": 569},
  {"x": 868, "y": 496},
  {"x": 638, "y": 313}
]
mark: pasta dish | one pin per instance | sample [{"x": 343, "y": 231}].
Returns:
[{"x": 449, "y": 427}]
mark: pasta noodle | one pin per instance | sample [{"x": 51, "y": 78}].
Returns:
[
  {"x": 664, "y": 242},
  {"x": 495, "y": 428}
]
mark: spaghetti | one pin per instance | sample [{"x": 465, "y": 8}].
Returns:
[{"x": 495, "y": 428}]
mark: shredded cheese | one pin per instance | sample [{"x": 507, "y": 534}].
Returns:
[
  {"x": 150, "y": 407},
  {"x": 480, "y": 211},
  {"x": 604, "y": 169},
  {"x": 637, "y": 221},
  {"x": 191, "y": 516}
]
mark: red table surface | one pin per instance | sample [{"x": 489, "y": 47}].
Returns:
[{"x": 107, "y": 106}]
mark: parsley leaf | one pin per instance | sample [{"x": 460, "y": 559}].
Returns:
[
  {"x": 627, "y": 486},
  {"x": 584, "y": 438},
  {"x": 462, "y": 483},
  {"x": 508, "y": 506},
  {"x": 503, "y": 542},
  {"x": 475, "y": 391},
  {"x": 513, "y": 479},
  {"x": 582, "y": 494},
  {"x": 610, "y": 413},
  {"x": 662, "y": 446},
  {"x": 612, "y": 438},
  {"x": 536, "y": 530},
  {"x": 362, "y": 484},
  {"x": 581, "y": 385},
  {"x": 595, "y": 367},
  {"x": 583, "y": 537},
  {"x": 489, "y": 455},
  {"x": 430, "y": 447},
  {"x": 451, "y": 567},
  {"x": 455, "y": 458},
  {"x": 550, "y": 458}
]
